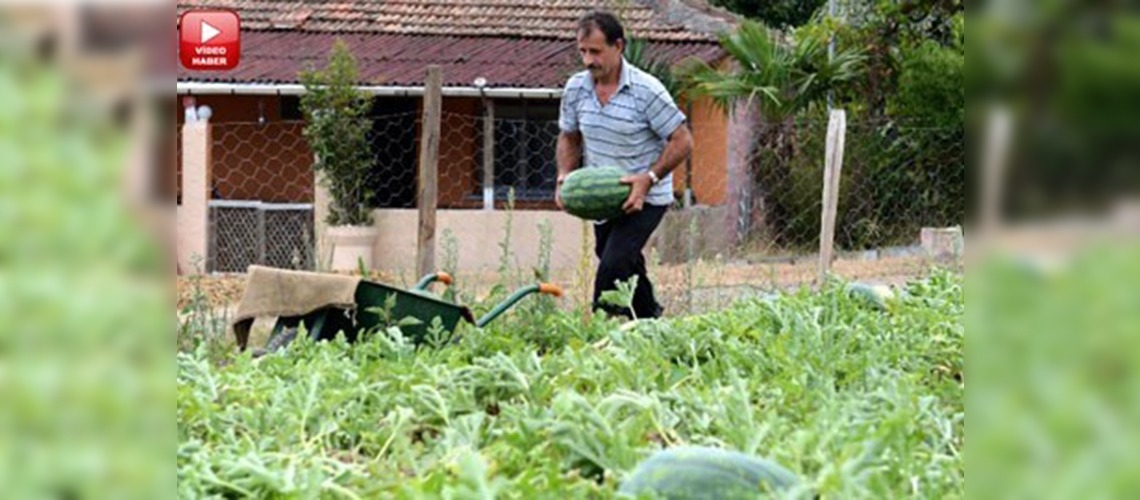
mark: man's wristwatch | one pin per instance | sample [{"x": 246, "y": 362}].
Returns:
[{"x": 653, "y": 177}]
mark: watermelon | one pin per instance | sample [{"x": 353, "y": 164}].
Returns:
[
  {"x": 595, "y": 193},
  {"x": 877, "y": 295},
  {"x": 701, "y": 472}
]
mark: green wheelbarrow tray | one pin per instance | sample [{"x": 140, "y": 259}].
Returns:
[{"x": 371, "y": 299}]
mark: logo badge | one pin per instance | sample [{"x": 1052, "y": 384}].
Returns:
[{"x": 209, "y": 40}]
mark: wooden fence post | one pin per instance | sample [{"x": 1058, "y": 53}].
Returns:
[
  {"x": 429, "y": 169},
  {"x": 833, "y": 171},
  {"x": 999, "y": 127}
]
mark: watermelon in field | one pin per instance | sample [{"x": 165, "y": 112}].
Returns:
[
  {"x": 595, "y": 193},
  {"x": 695, "y": 472},
  {"x": 877, "y": 295}
]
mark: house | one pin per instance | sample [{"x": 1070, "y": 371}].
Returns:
[{"x": 520, "y": 51}]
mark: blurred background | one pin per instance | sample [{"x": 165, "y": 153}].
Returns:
[
  {"x": 90, "y": 133},
  {"x": 86, "y": 373},
  {"x": 1054, "y": 116}
]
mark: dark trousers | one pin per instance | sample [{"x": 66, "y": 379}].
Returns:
[{"x": 618, "y": 245}]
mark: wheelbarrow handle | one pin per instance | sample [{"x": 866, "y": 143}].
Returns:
[
  {"x": 543, "y": 288},
  {"x": 428, "y": 279},
  {"x": 550, "y": 289}
]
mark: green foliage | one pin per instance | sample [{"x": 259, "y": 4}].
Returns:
[
  {"x": 622, "y": 296},
  {"x": 85, "y": 280},
  {"x": 858, "y": 402},
  {"x": 337, "y": 130},
  {"x": 931, "y": 85},
  {"x": 639, "y": 54},
  {"x": 505, "y": 246},
  {"x": 960, "y": 31},
  {"x": 917, "y": 167},
  {"x": 450, "y": 262},
  {"x": 1053, "y": 356},
  {"x": 779, "y": 75},
  {"x": 777, "y": 13},
  {"x": 1078, "y": 126},
  {"x": 199, "y": 325},
  {"x": 900, "y": 172},
  {"x": 899, "y": 71},
  {"x": 887, "y": 31},
  {"x": 897, "y": 178},
  {"x": 906, "y": 158}
]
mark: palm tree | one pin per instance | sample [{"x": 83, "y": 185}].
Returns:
[
  {"x": 780, "y": 76},
  {"x": 639, "y": 54}
]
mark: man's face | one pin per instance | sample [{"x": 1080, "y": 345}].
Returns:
[{"x": 597, "y": 56}]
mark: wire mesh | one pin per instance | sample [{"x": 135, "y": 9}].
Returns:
[
  {"x": 763, "y": 234},
  {"x": 746, "y": 218},
  {"x": 268, "y": 162},
  {"x": 260, "y": 209},
  {"x": 395, "y": 140}
]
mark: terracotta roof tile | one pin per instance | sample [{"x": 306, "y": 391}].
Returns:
[
  {"x": 393, "y": 59},
  {"x": 656, "y": 20}
]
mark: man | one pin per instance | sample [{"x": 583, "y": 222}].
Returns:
[{"x": 614, "y": 114}]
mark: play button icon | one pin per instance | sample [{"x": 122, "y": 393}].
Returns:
[
  {"x": 208, "y": 32},
  {"x": 209, "y": 40}
]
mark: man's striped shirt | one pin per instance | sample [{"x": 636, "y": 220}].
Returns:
[{"x": 630, "y": 131}]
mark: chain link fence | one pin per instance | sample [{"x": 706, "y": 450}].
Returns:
[
  {"x": 261, "y": 199},
  {"x": 746, "y": 217},
  {"x": 395, "y": 138},
  {"x": 500, "y": 162},
  {"x": 901, "y": 202},
  {"x": 747, "y": 211}
]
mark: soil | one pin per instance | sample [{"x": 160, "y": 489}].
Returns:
[{"x": 706, "y": 284}]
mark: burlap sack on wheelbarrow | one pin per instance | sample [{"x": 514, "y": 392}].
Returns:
[{"x": 280, "y": 292}]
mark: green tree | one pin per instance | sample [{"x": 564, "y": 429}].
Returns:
[
  {"x": 911, "y": 167},
  {"x": 780, "y": 76},
  {"x": 886, "y": 31},
  {"x": 776, "y": 13},
  {"x": 639, "y": 54},
  {"x": 336, "y": 127}
]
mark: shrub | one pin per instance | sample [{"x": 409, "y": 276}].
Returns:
[{"x": 337, "y": 129}]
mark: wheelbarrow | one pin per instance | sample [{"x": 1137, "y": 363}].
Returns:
[{"x": 379, "y": 305}]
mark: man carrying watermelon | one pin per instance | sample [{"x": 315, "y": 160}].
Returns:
[{"x": 616, "y": 115}]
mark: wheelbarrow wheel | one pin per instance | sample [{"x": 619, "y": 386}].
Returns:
[{"x": 278, "y": 342}]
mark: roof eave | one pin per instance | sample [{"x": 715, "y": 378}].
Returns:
[{"x": 223, "y": 88}]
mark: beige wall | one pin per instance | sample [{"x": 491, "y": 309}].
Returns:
[
  {"x": 701, "y": 232},
  {"x": 478, "y": 235}
]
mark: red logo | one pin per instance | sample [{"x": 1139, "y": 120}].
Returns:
[{"x": 210, "y": 40}]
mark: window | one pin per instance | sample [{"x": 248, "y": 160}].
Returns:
[
  {"x": 394, "y": 140},
  {"x": 526, "y": 137}
]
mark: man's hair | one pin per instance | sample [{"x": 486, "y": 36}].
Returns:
[{"x": 604, "y": 21}]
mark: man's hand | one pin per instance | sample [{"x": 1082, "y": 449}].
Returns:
[
  {"x": 640, "y": 184},
  {"x": 558, "y": 192},
  {"x": 568, "y": 155}
]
